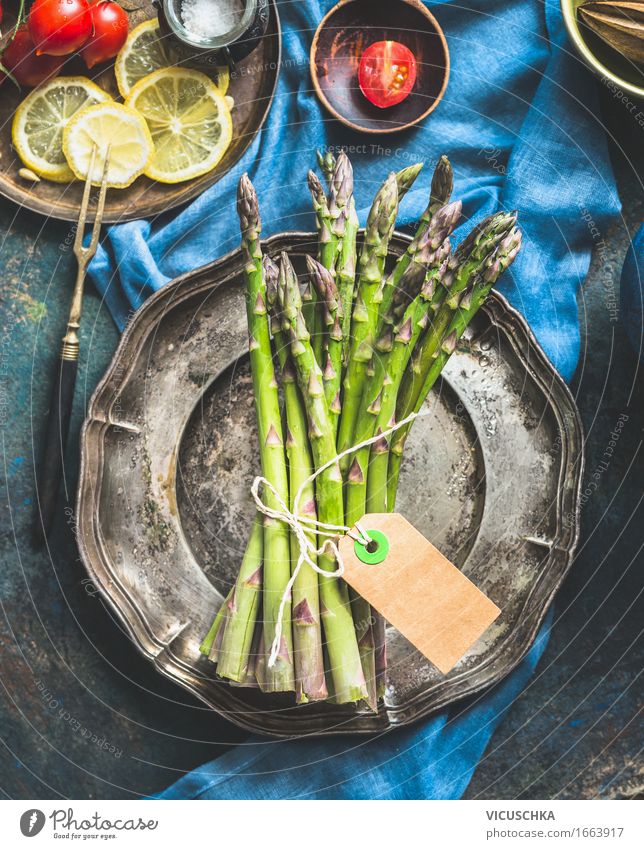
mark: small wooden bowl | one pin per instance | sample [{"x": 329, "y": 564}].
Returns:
[{"x": 343, "y": 35}]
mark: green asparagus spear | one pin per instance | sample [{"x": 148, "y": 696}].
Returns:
[
  {"x": 364, "y": 321},
  {"x": 310, "y": 683},
  {"x": 441, "y": 190},
  {"x": 340, "y": 638},
  {"x": 346, "y": 275},
  {"x": 472, "y": 300},
  {"x": 473, "y": 257},
  {"x": 250, "y": 678},
  {"x": 381, "y": 401},
  {"x": 381, "y": 497},
  {"x": 280, "y": 676},
  {"x": 400, "y": 288},
  {"x": 327, "y": 254},
  {"x": 341, "y": 192},
  {"x": 329, "y": 299},
  {"x": 382, "y": 385},
  {"x": 426, "y": 256},
  {"x": 208, "y": 641},
  {"x": 309, "y": 307},
  {"x": 242, "y": 606},
  {"x": 327, "y": 240},
  {"x": 345, "y": 226},
  {"x": 332, "y": 214}
]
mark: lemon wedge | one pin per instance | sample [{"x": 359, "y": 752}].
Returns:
[
  {"x": 108, "y": 126},
  {"x": 146, "y": 50},
  {"x": 39, "y": 121},
  {"x": 189, "y": 120}
]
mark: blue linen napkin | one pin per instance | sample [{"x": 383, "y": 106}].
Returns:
[{"x": 520, "y": 124}]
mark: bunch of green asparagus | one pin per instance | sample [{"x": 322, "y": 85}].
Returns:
[{"x": 357, "y": 344}]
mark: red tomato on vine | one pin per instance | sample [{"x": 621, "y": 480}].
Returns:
[
  {"x": 59, "y": 27},
  {"x": 110, "y": 22},
  {"x": 20, "y": 60}
]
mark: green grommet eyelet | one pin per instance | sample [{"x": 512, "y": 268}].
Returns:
[{"x": 378, "y": 554}]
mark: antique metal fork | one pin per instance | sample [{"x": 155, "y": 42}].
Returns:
[{"x": 52, "y": 466}]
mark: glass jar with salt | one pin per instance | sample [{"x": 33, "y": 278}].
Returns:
[{"x": 213, "y": 32}]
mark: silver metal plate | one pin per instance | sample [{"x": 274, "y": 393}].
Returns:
[{"x": 169, "y": 452}]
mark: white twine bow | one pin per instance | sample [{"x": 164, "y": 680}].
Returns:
[{"x": 305, "y": 527}]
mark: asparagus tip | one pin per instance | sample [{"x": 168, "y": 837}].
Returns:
[
  {"x": 341, "y": 182},
  {"x": 451, "y": 213},
  {"x": 316, "y": 188},
  {"x": 327, "y": 163},
  {"x": 271, "y": 274},
  {"x": 288, "y": 286},
  {"x": 487, "y": 234},
  {"x": 407, "y": 177},
  {"x": 443, "y": 222},
  {"x": 442, "y": 181},
  {"x": 248, "y": 207},
  {"x": 322, "y": 279},
  {"x": 382, "y": 215}
]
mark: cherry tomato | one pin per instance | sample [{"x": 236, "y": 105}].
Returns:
[
  {"x": 387, "y": 73},
  {"x": 59, "y": 27},
  {"x": 110, "y": 23},
  {"x": 19, "y": 58}
]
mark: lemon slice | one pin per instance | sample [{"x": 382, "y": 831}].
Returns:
[
  {"x": 39, "y": 121},
  {"x": 189, "y": 121},
  {"x": 108, "y": 125},
  {"x": 146, "y": 50}
]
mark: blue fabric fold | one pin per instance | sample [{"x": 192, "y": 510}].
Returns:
[
  {"x": 521, "y": 126},
  {"x": 434, "y": 759},
  {"x": 632, "y": 293}
]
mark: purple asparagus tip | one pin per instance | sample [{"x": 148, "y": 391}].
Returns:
[
  {"x": 316, "y": 188},
  {"x": 442, "y": 182},
  {"x": 342, "y": 185},
  {"x": 248, "y": 207}
]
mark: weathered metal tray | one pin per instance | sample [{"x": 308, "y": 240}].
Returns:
[
  {"x": 252, "y": 86},
  {"x": 169, "y": 453}
]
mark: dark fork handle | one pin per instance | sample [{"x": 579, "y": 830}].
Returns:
[{"x": 54, "y": 444}]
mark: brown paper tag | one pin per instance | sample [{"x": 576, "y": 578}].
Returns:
[{"x": 418, "y": 590}]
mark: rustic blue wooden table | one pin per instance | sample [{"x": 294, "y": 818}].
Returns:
[{"x": 82, "y": 715}]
